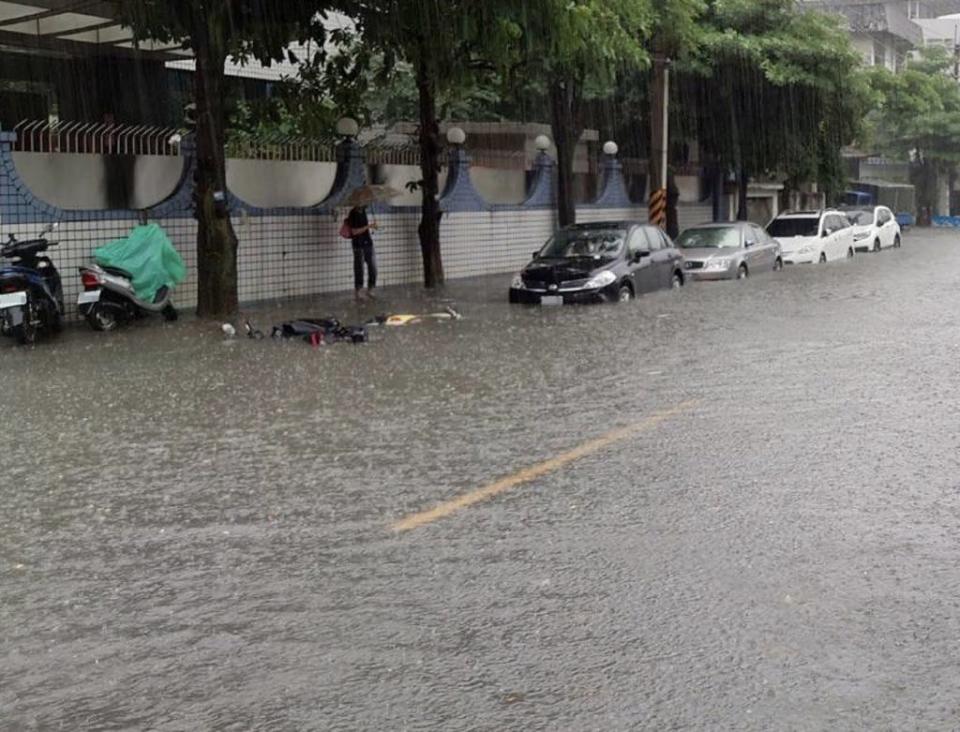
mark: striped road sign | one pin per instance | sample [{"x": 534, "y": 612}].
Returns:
[{"x": 658, "y": 208}]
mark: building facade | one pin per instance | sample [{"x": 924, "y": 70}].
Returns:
[{"x": 885, "y": 33}]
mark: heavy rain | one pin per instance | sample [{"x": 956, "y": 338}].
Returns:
[{"x": 501, "y": 366}]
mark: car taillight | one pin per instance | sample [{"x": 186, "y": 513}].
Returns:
[{"x": 90, "y": 281}]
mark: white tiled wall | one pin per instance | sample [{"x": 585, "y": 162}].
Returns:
[{"x": 303, "y": 254}]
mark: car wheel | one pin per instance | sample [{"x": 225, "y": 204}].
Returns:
[
  {"x": 742, "y": 272},
  {"x": 677, "y": 281},
  {"x": 876, "y": 245},
  {"x": 778, "y": 265},
  {"x": 625, "y": 294},
  {"x": 850, "y": 253},
  {"x": 823, "y": 257},
  {"x": 896, "y": 242}
]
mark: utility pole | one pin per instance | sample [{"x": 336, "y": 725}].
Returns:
[{"x": 659, "y": 144}]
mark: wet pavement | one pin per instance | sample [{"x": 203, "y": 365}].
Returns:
[{"x": 198, "y": 533}]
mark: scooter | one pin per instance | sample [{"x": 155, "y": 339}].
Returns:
[
  {"x": 31, "y": 293},
  {"x": 108, "y": 298}
]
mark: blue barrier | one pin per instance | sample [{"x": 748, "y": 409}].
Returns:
[
  {"x": 946, "y": 221},
  {"x": 906, "y": 220}
]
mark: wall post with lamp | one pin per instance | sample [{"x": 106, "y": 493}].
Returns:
[
  {"x": 459, "y": 193},
  {"x": 613, "y": 190},
  {"x": 543, "y": 188},
  {"x": 351, "y": 164}
]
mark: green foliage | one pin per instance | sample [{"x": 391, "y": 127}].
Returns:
[
  {"x": 918, "y": 110},
  {"x": 772, "y": 88},
  {"x": 582, "y": 38}
]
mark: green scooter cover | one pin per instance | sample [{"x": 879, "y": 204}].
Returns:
[{"x": 148, "y": 255}]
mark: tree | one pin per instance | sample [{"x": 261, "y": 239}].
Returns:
[
  {"x": 772, "y": 88},
  {"x": 216, "y": 30},
  {"x": 918, "y": 117},
  {"x": 352, "y": 80},
  {"x": 578, "y": 49},
  {"x": 445, "y": 44}
]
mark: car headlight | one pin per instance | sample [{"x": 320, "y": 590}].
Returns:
[
  {"x": 517, "y": 283},
  {"x": 720, "y": 263},
  {"x": 808, "y": 249},
  {"x": 601, "y": 279}
]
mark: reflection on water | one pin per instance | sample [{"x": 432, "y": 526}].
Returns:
[{"x": 193, "y": 529}]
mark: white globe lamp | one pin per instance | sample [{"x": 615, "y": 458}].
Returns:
[{"x": 348, "y": 127}]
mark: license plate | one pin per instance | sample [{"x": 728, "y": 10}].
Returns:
[
  {"x": 14, "y": 299},
  {"x": 88, "y": 297},
  {"x": 551, "y": 300}
]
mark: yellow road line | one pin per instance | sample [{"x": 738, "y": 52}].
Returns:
[{"x": 442, "y": 510}]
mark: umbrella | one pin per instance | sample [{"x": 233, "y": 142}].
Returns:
[{"x": 365, "y": 195}]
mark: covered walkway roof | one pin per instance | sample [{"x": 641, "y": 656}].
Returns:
[{"x": 56, "y": 27}]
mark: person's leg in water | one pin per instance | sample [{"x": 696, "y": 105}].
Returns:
[
  {"x": 358, "y": 257},
  {"x": 371, "y": 260}
]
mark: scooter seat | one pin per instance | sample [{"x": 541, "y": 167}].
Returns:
[{"x": 117, "y": 272}]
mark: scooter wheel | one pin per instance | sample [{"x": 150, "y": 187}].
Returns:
[
  {"x": 56, "y": 322},
  {"x": 102, "y": 319},
  {"x": 169, "y": 313},
  {"x": 25, "y": 333}
]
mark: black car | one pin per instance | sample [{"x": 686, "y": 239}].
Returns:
[{"x": 610, "y": 261}]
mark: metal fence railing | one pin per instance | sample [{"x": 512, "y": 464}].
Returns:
[
  {"x": 95, "y": 138},
  {"x": 282, "y": 148}
]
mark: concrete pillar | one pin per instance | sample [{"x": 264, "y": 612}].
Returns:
[
  {"x": 459, "y": 193},
  {"x": 613, "y": 191}
]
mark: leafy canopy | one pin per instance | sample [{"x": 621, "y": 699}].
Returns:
[{"x": 918, "y": 110}]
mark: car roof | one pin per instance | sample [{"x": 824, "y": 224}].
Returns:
[
  {"x": 722, "y": 225},
  {"x": 802, "y": 214},
  {"x": 604, "y": 225}
]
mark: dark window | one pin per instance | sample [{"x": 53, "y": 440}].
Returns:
[{"x": 794, "y": 226}]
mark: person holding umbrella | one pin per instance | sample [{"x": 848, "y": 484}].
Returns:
[{"x": 360, "y": 234}]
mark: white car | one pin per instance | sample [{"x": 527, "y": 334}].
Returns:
[
  {"x": 813, "y": 236},
  {"x": 874, "y": 228}
]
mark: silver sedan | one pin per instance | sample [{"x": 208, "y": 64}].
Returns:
[{"x": 727, "y": 251}]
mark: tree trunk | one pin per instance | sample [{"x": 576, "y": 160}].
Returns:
[
  {"x": 564, "y": 103},
  {"x": 429, "y": 229},
  {"x": 216, "y": 239}
]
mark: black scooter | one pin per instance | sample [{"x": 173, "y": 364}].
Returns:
[{"x": 31, "y": 294}]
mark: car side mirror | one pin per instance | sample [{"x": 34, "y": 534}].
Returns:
[
  {"x": 825, "y": 234},
  {"x": 536, "y": 254},
  {"x": 749, "y": 243},
  {"x": 640, "y": 254}
]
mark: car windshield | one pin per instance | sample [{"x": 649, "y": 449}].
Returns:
[
  {"x": 584, "y": 243},
  {"x": 795, "y": 226},
  {"x": 860, "y": 217},
  {"x": 712, "y": 237}
]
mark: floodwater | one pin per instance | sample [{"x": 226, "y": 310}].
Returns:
[{"x": 195, "y": 532}]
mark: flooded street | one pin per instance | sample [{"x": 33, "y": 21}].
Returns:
[{"x": 200, "y": 533}]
